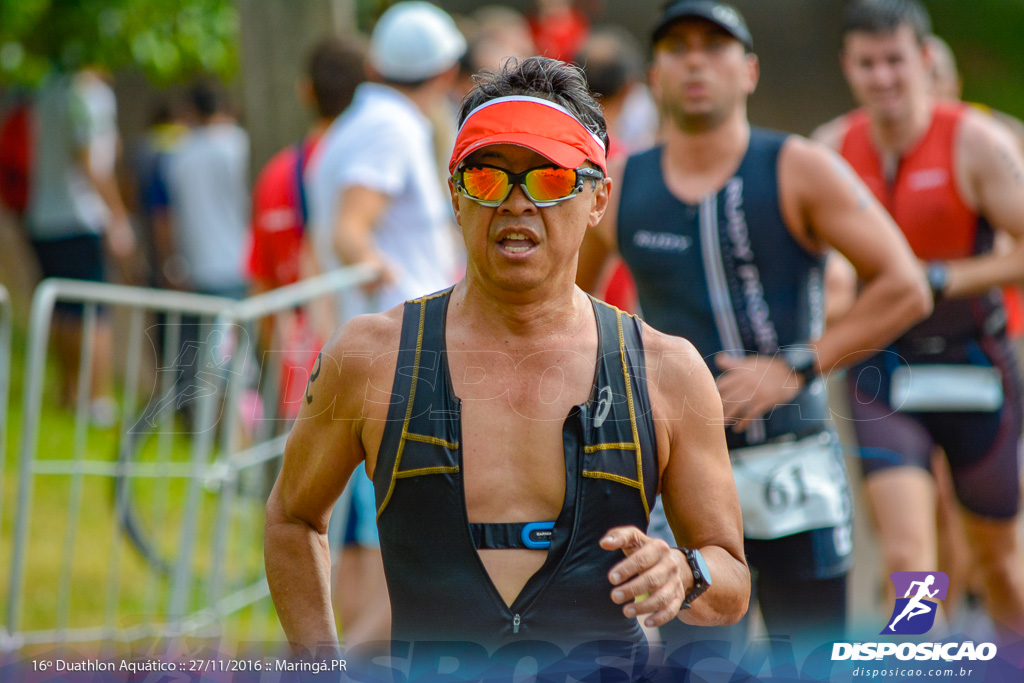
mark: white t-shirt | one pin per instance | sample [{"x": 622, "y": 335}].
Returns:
[
  {"x": 70, "y": 114},
  {"x": 383, "y": 142},
  {"x": 209, "y": 202}
]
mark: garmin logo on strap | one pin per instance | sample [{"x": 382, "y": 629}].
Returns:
[{"x": 537, "y": 535}]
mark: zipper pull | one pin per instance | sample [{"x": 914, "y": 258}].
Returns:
[{"x": 515, "y": 624}]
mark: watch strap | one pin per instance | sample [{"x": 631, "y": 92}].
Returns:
[
  {"x": 700, "y": 582},
  {"x": 802, "y": 362}
]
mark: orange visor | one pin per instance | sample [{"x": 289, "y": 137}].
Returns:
[{"x": 543, "y": 126}]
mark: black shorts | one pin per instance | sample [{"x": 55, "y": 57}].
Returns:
[
  {"x": 982, "y": 447},
  {"x": 77, "y": 258}
]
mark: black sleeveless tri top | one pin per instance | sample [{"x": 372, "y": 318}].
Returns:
[
  {"x": 726, "y": 273},
  {"x": 438, "y": 586}
]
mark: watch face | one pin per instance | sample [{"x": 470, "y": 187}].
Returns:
[
  {"x": 703, "y": 565},
  {"x": 799, "y": 358}
]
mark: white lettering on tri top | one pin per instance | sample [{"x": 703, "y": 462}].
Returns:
[{"x": 661, "y": 241}]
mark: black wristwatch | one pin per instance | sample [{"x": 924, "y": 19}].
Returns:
[
  {"x": 937, "y": 274},
  {"x": 803, "y": 362},
  {"x": 701, "y": 575}
]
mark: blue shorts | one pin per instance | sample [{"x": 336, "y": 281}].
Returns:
[{"x": 354, "y": 521}]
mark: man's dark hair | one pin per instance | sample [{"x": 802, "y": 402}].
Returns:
[
  {"x": 543, "y": 78},
  {"x": 207, "y": 98},
  {"x": 335, "y": 68},
  {"x": 885, "y": 16},
  {"x": 611, "y": 59}
]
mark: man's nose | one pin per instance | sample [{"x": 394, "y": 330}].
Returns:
[{"x": 517, "y": 203}]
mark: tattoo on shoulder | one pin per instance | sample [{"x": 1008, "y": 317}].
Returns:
[
  {"x": 314, "y": 373},
  {"x": 1012, "y": 166},
  {"x": 855, "y": 184}
]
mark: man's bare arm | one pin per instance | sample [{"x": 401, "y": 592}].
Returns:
[
  {"x": 826, "y": 206},
  {"x": 700, "y": 500},
  {"x": 697, "y": 487},
  {"x": 838, "y": 211},
  {"x": 359, "y": 210},
  {"x": 324, "y": 447},
  {"x": 120, "y": 235},
  {"x": 993, "y": 170}
]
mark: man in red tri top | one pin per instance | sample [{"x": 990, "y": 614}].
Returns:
[{"x": 950, "y": 177}]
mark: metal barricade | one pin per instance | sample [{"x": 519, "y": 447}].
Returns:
[
  {"x": 187, "y": 495},
  {"x": 5, "y": 387}
]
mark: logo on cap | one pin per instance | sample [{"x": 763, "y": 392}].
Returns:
[{"x": 726, "y": 15}]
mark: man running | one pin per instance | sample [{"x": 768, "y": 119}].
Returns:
[
  {"x": 725, "y": 229},
  {"x": 951, "y": 177},
  {"x": 915, "y": 606},
  {"x": 517, "y": 432}
]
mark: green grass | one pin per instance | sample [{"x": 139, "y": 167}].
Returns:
[{"x": 102, "y": 549}]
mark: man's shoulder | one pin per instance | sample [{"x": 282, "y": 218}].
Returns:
[
  {"x": 831, "y": 133},
  {"x": 280, "y": 169},
  {"x": 373, "y": 113},
  {"x": 661, "y": 342},
  {"x": 676, "y": 356},
  {"x": 978, "y": 128},
  {"x": 371, "y": 334},
  {"x": 984, "y": 146},
  {"x": 678, "y": 376}
]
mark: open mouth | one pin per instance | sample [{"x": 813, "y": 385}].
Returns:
[{"x": 516, "y": 242}]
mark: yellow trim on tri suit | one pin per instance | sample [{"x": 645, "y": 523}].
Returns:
[
  {"x": 412, "y": 396},
  {"x": 638, "y": 483},
  {"x": 409, "y": 436},
  {"x": 609, "y": 447},
  {"x": 427, "y": 470},
  {"x": 616, "y": 478}
]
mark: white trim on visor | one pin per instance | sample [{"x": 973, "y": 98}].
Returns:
[{"x": 536, "y": 100}]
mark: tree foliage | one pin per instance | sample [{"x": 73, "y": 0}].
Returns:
[{"x": 168, "y": 39}]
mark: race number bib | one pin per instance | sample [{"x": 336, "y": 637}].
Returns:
[
  {"x": 791, "y": 487},
  {"x": 946, "y": 389}
]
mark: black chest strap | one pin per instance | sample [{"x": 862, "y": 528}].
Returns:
[{"x": 529, "y": 535}]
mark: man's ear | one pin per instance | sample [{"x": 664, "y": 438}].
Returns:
[
  {"x": 753, "y": 72},
  {"x": 455, "y": 202},
  {"x": 602, "y": 194}
]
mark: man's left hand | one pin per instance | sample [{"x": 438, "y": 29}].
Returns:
[
  {"x": 651, "y": 568},
  {"x": 752, "y": 386}
]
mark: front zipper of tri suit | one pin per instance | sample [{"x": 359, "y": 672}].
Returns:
[
  {"x": 576, "y": 419},
  {"x": 576, "y": 416}
]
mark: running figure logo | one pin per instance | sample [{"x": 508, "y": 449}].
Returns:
[{"x": 914, "y": 613}]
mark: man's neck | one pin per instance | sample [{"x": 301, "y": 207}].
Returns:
[
  {"x": 709, "y": 150},
  {"x": 423, "y": 96},
  {"x": 896, "y": 136},
  {"x": 545, "y": 314}
]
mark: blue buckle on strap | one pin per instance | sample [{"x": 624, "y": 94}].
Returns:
[{"x": 537, "y": 535}]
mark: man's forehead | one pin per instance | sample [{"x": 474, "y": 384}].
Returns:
[
  {"x": 901, "y": 36},
  {"x": 507, "y": 154}
]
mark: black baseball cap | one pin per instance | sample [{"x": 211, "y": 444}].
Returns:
[{"x": 718, "y": 13}]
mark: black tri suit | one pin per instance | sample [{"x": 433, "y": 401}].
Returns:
[{"x": 438, "y": 586}]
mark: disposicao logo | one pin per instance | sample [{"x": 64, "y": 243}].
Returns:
[{"x": 914, "y": 613}]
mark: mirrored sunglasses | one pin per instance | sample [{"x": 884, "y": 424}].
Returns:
[{"x": 545, "y": 186}]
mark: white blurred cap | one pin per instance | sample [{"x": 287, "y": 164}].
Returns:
[{"x": 414, "y": 41}]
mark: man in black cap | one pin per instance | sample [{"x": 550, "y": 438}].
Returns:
[{"x": 725, "y": 229}]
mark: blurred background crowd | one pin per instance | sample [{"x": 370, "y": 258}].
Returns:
[{"x": 198, "y": 145}]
